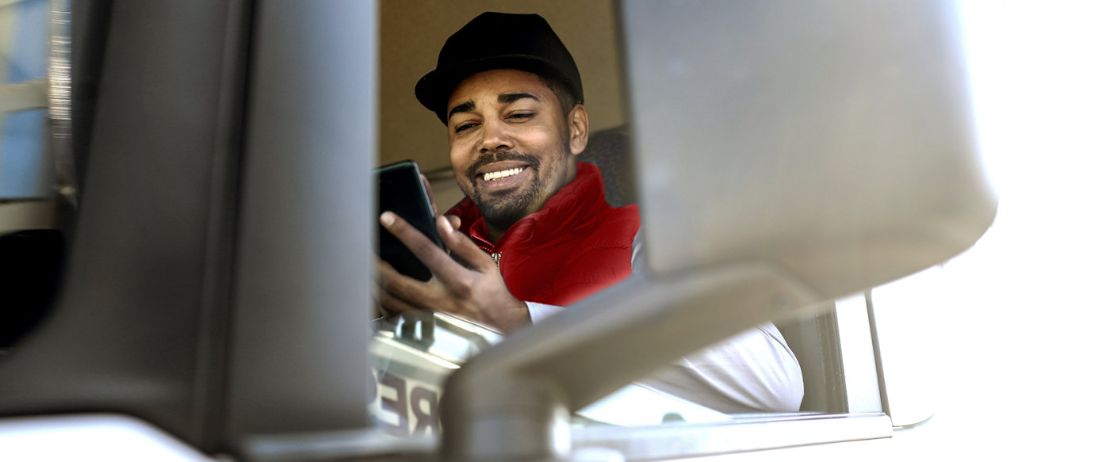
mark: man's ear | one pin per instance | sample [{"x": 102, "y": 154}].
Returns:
[{"x": 578, "y": 124}]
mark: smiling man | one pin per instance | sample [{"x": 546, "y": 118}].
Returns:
[
  {"x": 512, "y": 143},
  {"x": 534, "y": 233}
]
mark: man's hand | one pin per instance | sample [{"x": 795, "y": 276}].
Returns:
[{"x": 471, "y": 287}]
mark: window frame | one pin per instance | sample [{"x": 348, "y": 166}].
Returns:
[{"x": 852, "y": 331}]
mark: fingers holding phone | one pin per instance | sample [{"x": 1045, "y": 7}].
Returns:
[{"x": 471, "y": 287}]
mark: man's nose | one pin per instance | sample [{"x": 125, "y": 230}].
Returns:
[{"x": 495, "y": 138}]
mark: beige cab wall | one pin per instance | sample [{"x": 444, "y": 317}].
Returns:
[{"x": 412, "y": 32}]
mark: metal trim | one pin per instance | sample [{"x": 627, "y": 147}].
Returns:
[{"x": 742, "y": 435}]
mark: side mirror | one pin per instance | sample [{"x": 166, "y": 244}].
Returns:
[{"x": 834, "y": 142}]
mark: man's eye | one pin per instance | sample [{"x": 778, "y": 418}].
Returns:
[
  {"x": 520, "y": 116},
  {"x": 464, "y": 127}
]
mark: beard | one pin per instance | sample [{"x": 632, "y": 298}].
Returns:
[{"x": 502, "y": 210}]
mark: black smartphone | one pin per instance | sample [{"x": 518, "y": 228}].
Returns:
[{"x": 401, "y": 191}]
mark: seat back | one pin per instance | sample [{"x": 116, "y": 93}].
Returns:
[{"x": 610, "y": 149}]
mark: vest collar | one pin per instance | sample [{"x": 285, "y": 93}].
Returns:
[{"x": 575, "y": 204}]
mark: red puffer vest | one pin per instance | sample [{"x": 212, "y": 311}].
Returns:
[{"x": 572, "y": 247}]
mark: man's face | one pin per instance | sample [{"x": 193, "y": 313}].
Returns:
[{"x": 510, "y": 143}]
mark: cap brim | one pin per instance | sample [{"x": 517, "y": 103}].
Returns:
[{"x": 435, "y": 87}]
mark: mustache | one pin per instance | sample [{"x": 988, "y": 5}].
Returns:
[{"x": 497, "y": 156}]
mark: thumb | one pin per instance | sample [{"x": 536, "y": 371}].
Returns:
[{"x": 455, "y": 221}]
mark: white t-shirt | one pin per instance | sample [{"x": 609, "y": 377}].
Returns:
[{"x": 754, "y": 371}]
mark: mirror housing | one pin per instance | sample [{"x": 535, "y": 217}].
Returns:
[{"x": 833, "y": 141}]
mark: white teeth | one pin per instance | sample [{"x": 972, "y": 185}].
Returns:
[{"x": 502, "y": 173}]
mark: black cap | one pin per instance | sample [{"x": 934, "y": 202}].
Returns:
[{"x": 498, "y": 41}]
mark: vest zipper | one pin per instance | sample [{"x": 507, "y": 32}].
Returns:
[{"x": 496, "y": 256}]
